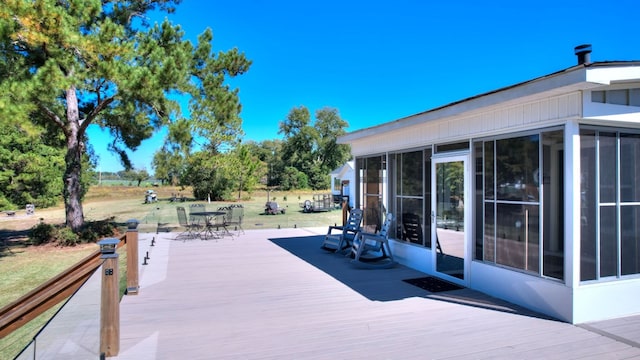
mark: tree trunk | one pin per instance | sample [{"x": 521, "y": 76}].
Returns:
[{"x": 73, "y": 160}]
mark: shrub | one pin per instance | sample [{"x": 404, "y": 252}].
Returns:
[
  {"x": 96, "y": 230},
  {"x": 92, "y": 231},
  {"x": 66, "y": 237},
  {"x": 41, "y": 233}
]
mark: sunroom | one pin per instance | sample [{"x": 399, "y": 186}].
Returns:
[{"x": 529, "y": 193}]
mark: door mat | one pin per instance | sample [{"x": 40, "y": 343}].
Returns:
[{"x": 433, "y": 284}]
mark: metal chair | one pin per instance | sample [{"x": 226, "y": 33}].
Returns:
[
  {"x": 192, "y": 229},
  {"x": 235, "y": 215},
  {"x": 219, "y": 223},
  {"x": 195, "y": 208}
]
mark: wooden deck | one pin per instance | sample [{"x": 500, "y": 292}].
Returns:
[{"x": 274, "y": 294}]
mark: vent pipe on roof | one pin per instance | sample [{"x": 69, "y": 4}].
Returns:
[{"x": 583, "y": 52}]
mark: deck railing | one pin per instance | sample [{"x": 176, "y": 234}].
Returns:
[
  {"x": 47, "y": 295},
  {"x": 73, "y": 332},
  {"x": 61, "y": 287}
]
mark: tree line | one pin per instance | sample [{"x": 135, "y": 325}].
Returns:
[
  {"x": 302, "y": 159},
  {"x": 65, "y": 65}
]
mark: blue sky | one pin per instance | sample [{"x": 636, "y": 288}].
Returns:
[{"x": 378, "y": 61}]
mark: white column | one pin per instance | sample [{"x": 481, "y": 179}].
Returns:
[{"x": 572, "y": 203}]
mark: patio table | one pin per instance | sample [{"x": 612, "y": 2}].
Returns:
[{"x": 209, "y": 218}]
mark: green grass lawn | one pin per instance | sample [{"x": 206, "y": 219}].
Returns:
[{"x": 165, "y": 212}]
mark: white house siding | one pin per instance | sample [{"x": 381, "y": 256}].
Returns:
[
  {"x": 550, "y": 297},
  {"x": 532, "y": 115},
  {"x": 606, "y": 300},
  {"x": 620, "y": 115}
]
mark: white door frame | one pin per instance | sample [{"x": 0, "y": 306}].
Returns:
[{"x": 465, "y": 157}]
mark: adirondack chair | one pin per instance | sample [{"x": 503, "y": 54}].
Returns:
[
  {"x": 343, "y": 238},
  {"x": 373, "y": 247}
]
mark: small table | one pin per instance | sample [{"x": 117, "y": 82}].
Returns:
[{"x": 209, "y": 217}]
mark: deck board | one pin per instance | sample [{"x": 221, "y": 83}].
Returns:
[{"x": 274, "y": 294}]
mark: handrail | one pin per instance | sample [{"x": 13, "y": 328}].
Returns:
[{"x": 47, "y": 295}]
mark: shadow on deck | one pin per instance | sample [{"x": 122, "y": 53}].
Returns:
[{"x": 387, "y": 284}]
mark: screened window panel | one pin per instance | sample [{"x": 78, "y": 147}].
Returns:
[
  {"x": 489, "y": 233},
  {"x": 411, "y": 184},
  {"x": 372, "y": 220},
  {"x": 489, "y": 180},
  {"x": 607, "y": 153},
  {"x": 396, "y": 165},
  {"x": 630, "y": 239},
  {"x": 608, "y": 242},
  {"x": 532, "y": 239},
  {"x": 629, "y": 167},
  {"x": 517, "y": 166},
  {"x": 517, "y": 236},
  {"x": 371, "y": 175},
  {"x": 478, "y": 151},
  {"x": 553, "y": 202},
  {"x": 412, "y": 221},
  {"x": 509, "y": 175},
  {"x": 427, "y": 198},
  {"x": 412, "y": 173},
  {"x": 588, "y": 205}
]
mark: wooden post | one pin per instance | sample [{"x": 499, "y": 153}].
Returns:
[
  {"x": 345, "y": 209},
  {"x": 132, "y": 258},
  {"x": 110, "y": 307}
]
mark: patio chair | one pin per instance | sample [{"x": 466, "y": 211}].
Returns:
[
  {"x": 192, "y": 229},
  {"x": 374, "y": 247},
  {"x": 219, "y": 223},
  {"x": 197, "y": 208},
  {"x": 235, "y": 216},
  {"x": 344, "y": 238}
]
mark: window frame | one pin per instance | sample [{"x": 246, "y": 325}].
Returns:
[
  {"x": 480, "y": 226},
  {"x": 617, "y": 207}
]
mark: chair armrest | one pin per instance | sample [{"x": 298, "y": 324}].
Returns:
[
  {"x": 331, "y": 228},
  {"x": 365, "y": 236},
  {"x": 371, "y": 235}
]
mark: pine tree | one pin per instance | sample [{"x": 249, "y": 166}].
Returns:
[{"x": 81, "y": 62}]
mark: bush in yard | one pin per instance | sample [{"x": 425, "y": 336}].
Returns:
[
  {"x": 66, "y": 237},
  {"x": 90, "y": 232},
  {"x": 93, "y": 231},
  {"x": 41, "y": 233}
]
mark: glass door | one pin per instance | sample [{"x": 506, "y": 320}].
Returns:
[{"x": 450, "y": 217}]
